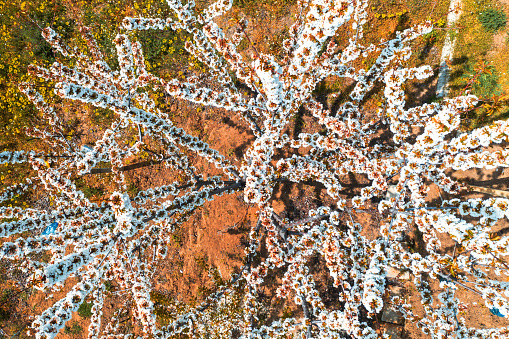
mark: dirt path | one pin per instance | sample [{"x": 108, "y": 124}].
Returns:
[{"x": 448, "y": 49}]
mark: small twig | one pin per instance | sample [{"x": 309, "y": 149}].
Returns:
[
  {"x": 500, "y": 260},
  {"x": 247, "y": 37}
]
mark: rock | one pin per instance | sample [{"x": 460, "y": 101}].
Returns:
[
  {"x": 405, "y": 275},
  {"x": 389, "y": 315},
  {"x": 392, "y": 192},
  {"x": 392, "y": 272},
  {"x": 395, "y": 291},
  {"x": 395, "y": 331},
  {"x": 397, "y": 274}
]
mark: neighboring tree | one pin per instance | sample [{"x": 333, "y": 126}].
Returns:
[{"x": 97, "y": 242}]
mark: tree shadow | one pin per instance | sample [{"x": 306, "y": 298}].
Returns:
[
  {"x": 426, "y": 49},
  {"x": 324, "y": 282},
  {"x": 385, "y": 137},
  {"x": 459, "y": 72},
  {"x": 494, "y": 179},
  {"x": 421, "y": 92},
  {"x": 230, "y": 123},
  {"x": 352, "y": 188},
  {"x": 403, "y": 23},
  {"x": 377, "y": 87},
  {"x": 342, "y": 98},
  {"x": 241, "y": 149},
  {"x": 299, "y": 122},
  {"x": 501, "y": 232}
]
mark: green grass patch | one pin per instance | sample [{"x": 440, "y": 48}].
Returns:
[
  {"x": 492, "y": 19},
  {"x": 484, "y": 84},
  {"x": 85, "y": 309},
  {"x": 75, "y": 328},
  {"x": 88, "y": 191}
]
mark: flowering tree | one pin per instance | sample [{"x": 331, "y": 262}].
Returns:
[{"x": 96, "y": 241}]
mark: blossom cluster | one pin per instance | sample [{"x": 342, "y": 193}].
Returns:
[{"x": 97, "y": 241}]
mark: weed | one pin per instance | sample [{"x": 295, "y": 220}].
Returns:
[
  {"x": 431, "y": 37},
  {"x": 101, "y": 116},
  {"x": 162, "y": 47},
  {"x": 24, "y": 296},
  {"x": 88, "y": 190},
  {"x": 494, "y": 108},
  {"x": 243, "y": 45},
  {"x": 390, "y": 15},
  {"x": 276, "y": 43},
  {"x": 161, "y": 305},
  {"x": 299, "y": 121},
  {"x": 177, "y": 239},
  {"x": 6, "y": 295},
  {"x": 251, "y": 3},
  {"x": 202, "y": 262},
  {"x": 453, "y": 34},
  {"x": 108, "y": 286},
  {"x": 133, "y": 189},
  {"x": 287, "y": 313}
]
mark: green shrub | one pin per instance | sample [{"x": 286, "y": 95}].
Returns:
[
  {"x": 431, "y": 37},
  {"x": 487, "y": 85},
  {"x": 484, "y": 83},
  {"x": 483, "y": 79},
  {"x": 85, "y": 310},
  {"x": 492, "y": 19}
]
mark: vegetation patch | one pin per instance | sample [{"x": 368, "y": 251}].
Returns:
[
  {"x": 85, "y": 309},
  {"x": 73, "y": 329},
  {"x": 492, "y": 19}
]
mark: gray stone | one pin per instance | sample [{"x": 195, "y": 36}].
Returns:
[
  {"x": 392, "y": 192},
  {"x": 392, "y": 316}
]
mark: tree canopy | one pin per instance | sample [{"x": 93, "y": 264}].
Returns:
[{"x": 97, "y": 241}]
